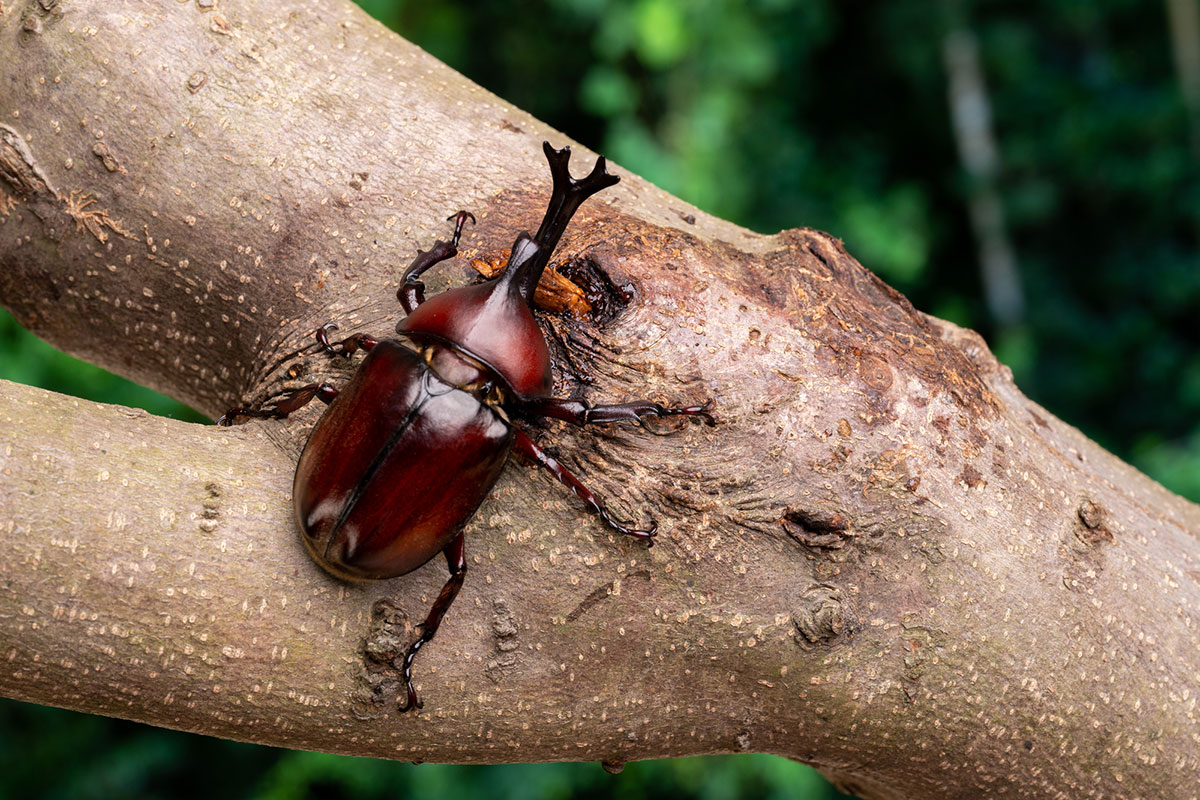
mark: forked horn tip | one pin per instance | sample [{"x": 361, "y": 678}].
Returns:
[
  {"x": 553, "y": 155},
  {"x": 601, "y": 174}
]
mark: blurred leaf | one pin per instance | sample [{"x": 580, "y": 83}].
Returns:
[
  {"x": 889, "y": 232},
  {"x": 607, "y": 92},
  {"x": 1175, "y": 463},
  {"x": 1015, "y": 348},
  {"x": 662, "y": 36}
]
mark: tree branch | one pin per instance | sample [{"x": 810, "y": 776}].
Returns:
[{"x": 885, "y": 561}]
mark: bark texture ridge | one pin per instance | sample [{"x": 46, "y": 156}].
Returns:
[{"x": 884, "y": 560}]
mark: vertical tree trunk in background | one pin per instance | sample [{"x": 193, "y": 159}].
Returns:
[
  {"x": 1183, "y": 17},
  {"x": 970, "y": 112},
  {"x": 885, "y": 561}
]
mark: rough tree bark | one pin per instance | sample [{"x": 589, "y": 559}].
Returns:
[{"x": 885, "y": 561}]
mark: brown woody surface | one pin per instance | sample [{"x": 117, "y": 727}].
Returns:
[{"x": 885, "y": 561}]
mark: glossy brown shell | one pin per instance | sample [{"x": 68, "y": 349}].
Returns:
[
  {"x": 492, "y": 324},
  {"x": 395, "y": 467}
]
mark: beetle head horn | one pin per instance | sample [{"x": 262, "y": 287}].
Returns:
[{"x": 565, "y": 198}]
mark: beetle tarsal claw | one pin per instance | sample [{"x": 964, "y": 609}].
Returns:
[
  {"x": 322, "y": 337},
  {"x": 411, "y": 701},
  {"x": 462, "y": 215},
  {"x": 638, "y": 533}
]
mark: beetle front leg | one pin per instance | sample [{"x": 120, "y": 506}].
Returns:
[
  {"x": 296, "y": 400},
  {"x": 580, "y": 412},
  {"x": 412, "y": 291},
  {"x": 526, "y": 447},
  {"x": 457, "y": 562}
]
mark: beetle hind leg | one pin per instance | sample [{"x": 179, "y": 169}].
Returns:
[
  {"x": 526, "y": 447},
  {"x": 457, "y": 562}
]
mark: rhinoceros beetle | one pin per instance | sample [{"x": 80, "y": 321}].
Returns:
[{"x": 408, "y": 450}]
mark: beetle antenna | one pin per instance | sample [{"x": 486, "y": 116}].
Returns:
[{"x": 568, "y": 194}]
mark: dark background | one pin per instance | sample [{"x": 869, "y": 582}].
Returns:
[{"x": 787, "y": 113}]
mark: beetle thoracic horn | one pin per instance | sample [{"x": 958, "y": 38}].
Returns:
[{"x": 518, "y": 271}]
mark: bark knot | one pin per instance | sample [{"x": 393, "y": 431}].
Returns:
[
  {"x": 504, "y": 631},
  {"x": 1082, "y": 546},
  {"x": 823, "y": 615},
  {"x": 819, "y": 529},
  {"x": 210, "y": 514},
  {"x": 383, "y": 648},
  {"x": 1092, "y": 529}
]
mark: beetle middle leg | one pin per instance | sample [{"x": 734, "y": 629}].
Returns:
[
  {"x": 412, "y": 290},
  {"x": 457, "y": 562},
  {"x": 526, "y": 447},
  {"x": 282, "y": 408}
]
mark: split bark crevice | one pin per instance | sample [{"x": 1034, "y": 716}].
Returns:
[{"x": 884, "y": 561}]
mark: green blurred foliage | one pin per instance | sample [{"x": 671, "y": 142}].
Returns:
[
  {"x": 51, "y": 754},
  {"x": 774, "y": 114},
  {"x": 24, "y": 358}
]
